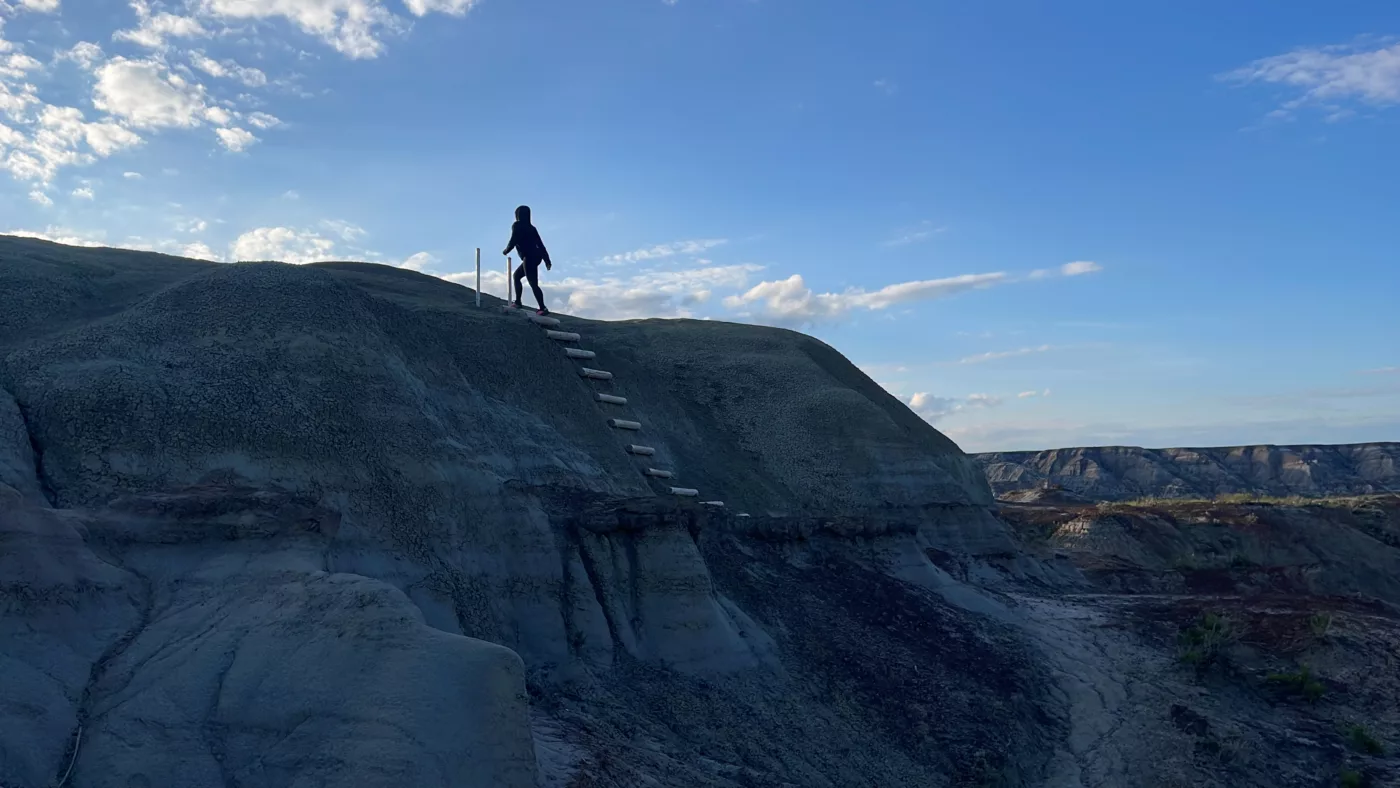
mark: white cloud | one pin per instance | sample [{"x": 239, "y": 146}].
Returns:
[
  {"x": 132, "y": 176},
  {"x": 236, "y": 140},
  {"x": 933, "y": 408},
  {"x": 291, "y": 194},
  {"x": 420, "y": 261},
  {"x": 1381, "y": 371},
  {"x": 652, "y": 293},
  {"x": 228, "y": 69},
  {"x": 83, "y": 193},
  {"x": 1327, "y": 76},
  {"x": 17, "y": 64},
  {"x": 154, "y": 29},
  {"x": 60, "y": 235},
  {"x": 160, "y": 91},
  {"x": 70, "y": 237},
  {"x": 1076, "y": 268},
  {"x": 85, "y": 53},
  {"x": 147, "y": 95},
  {"x": 1080, "y": 267},
  {"x": 346, "y": 230},
  {"x": 1025, "y": 351},
  {"x": 662, "y": 251},
  {"x": 791, "y": 302},
  {"x": 40, "y": 198},
  {"x": 1033, "y": 394},
  {"x": 56, "y": 138},
  {"x": 200, "y": 251},
  {"x": 282, "y": 244},
  {"x": 425, "y": 7},
  {"x": 887, "y": 87},
  {"x": 352, "y": 27},
  {"x": 218, "y": 116}
]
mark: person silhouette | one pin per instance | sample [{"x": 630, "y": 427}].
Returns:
[{"x": 525, "y": 239}]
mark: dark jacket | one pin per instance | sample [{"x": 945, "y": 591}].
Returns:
[{"x": 525, "y": 239}]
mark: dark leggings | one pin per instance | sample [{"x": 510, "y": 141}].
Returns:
[{"x": 529, "y": 270}]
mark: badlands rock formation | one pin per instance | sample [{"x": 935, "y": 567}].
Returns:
[
  {"x": 1116, "y": 473},
  {"x": 267, "y": 525}
]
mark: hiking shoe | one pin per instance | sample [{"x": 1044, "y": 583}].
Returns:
[
  {"x": 513, "y": 304},
  {"x": 542, "y": 312}
]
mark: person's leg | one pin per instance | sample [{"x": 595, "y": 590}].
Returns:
[
  {"x": 519, "y": 285},
  {"x": 532, "y": 272}
]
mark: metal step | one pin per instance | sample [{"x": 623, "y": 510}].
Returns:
[
  {"x": 658, "y": 473},
  {"x": 641, "y": 451},
  {"x": 573, "y": 352},
  {"x": 685, "y": 492},
  {"x": 542, "y": 320},
  {"x": 623, "y": 424},
  {"x": 610, "y": 399},
  {"x": 595, "y": 374},
  {"x": 562, "y": 336}
]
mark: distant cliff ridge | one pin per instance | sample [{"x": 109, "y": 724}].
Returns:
[{"x": 1116, "y": 473}]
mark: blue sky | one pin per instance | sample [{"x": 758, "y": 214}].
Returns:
[{"x": 1039, "y": 224}]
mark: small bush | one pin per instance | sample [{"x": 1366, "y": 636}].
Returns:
[
  {"x": 1320, "y": 624},
  {"x": 1300, "y": 682},
  {"x": 1202, "y": 643},
  {"x": 1361, "y": 740},
  {"x": 1352, "y": 779}
]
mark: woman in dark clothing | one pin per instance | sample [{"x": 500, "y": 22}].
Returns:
[{"x": 525, "y": 239}]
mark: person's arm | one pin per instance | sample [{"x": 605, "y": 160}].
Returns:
[
  {"x": 544, "y": 251},
  {"x": 514, "y": 239}
]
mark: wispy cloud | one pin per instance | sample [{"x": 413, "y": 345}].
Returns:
[
  {"x": 662, "y": 251},
  {"x": 650, "y": 293},
  {"x": 933, "y": 408},
  {"x": 924, "y": 231},
  {"x": 982, "y": 358},
  {"x": 1382, "y": 371},
  {"x": 790, "y": 302},
  {"x": 886, "y": 87},
  {"x": 1076, "y": 268},
  {"x": 420, "y": 261},
  {"x": 1329, "y": 77},
  {"x": 1033, "y": 394}
]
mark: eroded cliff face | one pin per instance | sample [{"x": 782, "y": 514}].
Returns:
[
  {"x": 266, "y": 525},
  {"x": 278, "y": 525},
  {"x": 1116, "y": 473}
]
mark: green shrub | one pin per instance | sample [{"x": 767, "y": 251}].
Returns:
[
  {"x": 1320, "y": 624},
  {"x": 1352, "y": 779},
  {"x": 1299, "y": 682},
  {"x": 1361, "y": 740},
  {"x": 1202, "y": 643}
]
